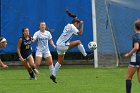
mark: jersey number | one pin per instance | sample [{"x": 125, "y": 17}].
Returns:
[{"x": 27, "y": 46}]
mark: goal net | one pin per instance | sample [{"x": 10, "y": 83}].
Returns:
[{"x": 114, "y": 23}]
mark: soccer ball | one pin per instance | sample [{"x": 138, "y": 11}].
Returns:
[{"x": 92, "y": 45}]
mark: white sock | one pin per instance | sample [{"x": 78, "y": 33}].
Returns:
[
  {"x": 51, "y": 68},
  {"x": 82, "y": 49},
  {"x": 57, "y": 66}
]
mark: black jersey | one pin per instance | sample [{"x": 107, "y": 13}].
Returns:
[
  {"x": 26, "y": 49},
  {"x": 135, "y": 58},
  {"x": 136, "y": 38}
]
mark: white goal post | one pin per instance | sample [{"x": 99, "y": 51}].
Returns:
[
  {"x": 109, "y": 56},
  {"x": 94, "y": 33}
]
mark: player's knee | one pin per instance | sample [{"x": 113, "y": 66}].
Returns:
[
  {"x": 60, "y": 61},
  {"x": 37, "y": 64},
  {"x": 49, "y": 63},
  {"x": 128, "y": 78},
  {"x": 78, "y": 42}
]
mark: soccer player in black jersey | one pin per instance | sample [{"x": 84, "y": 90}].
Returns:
[
  {"x": 134, "y": 65},
  {"x": 24, "y": 51}
]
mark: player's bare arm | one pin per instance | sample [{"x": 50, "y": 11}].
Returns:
[
  {"x": 136, "y": 47},
  {"x": 18, "y": 50},
  {"x": 52, "y": 43}
]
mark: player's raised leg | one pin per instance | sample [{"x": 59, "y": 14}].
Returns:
[{"x": 80, "y": 46}]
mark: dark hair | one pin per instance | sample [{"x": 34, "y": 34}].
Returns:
[
  {"x": 23, "y": 30},
  {"x": 75, "y": 20},
  {"x": 137, "y": 24},
  {"x": 70, "y": 14}
]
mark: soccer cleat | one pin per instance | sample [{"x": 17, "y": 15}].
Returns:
[
  {"x": 89, "y": 56},
  {"x": 33, "y": 78},
  {"x": 35, "y": 71},
  {"x": 53, "y": 78}
]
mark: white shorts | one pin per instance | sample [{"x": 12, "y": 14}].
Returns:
[
  {"x": 44, "y": 55},
  {"x": 61, "y": 50}
]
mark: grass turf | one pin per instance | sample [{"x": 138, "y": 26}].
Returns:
[{"x": 71, "y": 79}]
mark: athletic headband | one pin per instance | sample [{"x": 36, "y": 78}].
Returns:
[{"x": 3, "y": 40}]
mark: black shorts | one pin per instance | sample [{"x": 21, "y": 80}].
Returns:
[
  {"x": 134, "y": 64},
  {"x": 25, "y": 55},
  {"x": 135, "y": 60}
]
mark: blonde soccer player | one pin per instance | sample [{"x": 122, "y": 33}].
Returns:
[
  {"x": 134, "y": 65},
  {"x": 3, "y": 43},
  {"x": 24, "y": 51},
  {"x": 42, "y": 36}
]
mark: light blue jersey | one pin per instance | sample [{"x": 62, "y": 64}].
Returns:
[
  {"x": 42, "y": 40},
  {"x": 68, "y": 32}
]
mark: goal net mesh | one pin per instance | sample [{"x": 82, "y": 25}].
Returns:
[{"x": 115, "y": 20}]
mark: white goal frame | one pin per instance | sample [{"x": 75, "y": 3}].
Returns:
[{"x": 94, "y": 33}]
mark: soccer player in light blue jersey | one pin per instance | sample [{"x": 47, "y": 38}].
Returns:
[
  {"x": 63, "y": 43},
  {"x": 42, "y": 37},
  {"x": 134, "y": 65}
]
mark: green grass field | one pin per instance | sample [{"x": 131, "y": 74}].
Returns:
[{"x": 71, "y": 79}]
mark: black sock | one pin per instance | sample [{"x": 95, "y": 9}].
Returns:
[
  {"x": 33, "y": 68},
  {"x": 32, "y": 74},
  {"x": 128, "y": 86}
]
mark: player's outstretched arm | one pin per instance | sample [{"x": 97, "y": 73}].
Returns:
[{"x": 52, "y": 43}]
